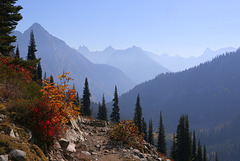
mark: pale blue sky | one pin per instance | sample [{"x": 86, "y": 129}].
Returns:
[{"x": 176, "y": 27}]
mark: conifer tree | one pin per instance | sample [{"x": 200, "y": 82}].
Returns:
[
  {"x": 17, "y": 52},
  {"x": 204, "y": 153},
  {"x": 199, "y": 153},
  {"x": 173, "y": 153},
  {"x": 51, "y": 79},
  {"x": 102, "y": 111},
  {"x": 183, "y": 143},
  {"x": 216, "y": 159},
  {"x": 138, "y": 114},
  {"x": 115, "y": 115},
  {"x": 144, "y": 129},
  {"x": 31, "y": 48},
  {"x": 194, "y": 147},
  {"x": 150, "y": 133},
  {"x": 39, "y": 72},
  {"x": 86, "y": 111},
  {"x": 162, "y": 148},
  {"x": 188, "y": 139},
  {"x": 9, "y": 17}
]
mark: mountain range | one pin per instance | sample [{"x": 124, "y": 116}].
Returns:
[
  {"x": 134, "y": 62},
  {"x": 179, "y": 63},
  {"x": 208, "y": 93},
  {"x": 56, "y": 57}
]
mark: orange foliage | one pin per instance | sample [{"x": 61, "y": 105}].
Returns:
[
  {"x": 127, "y": 132},
  {"x": 55, "y": 109}
]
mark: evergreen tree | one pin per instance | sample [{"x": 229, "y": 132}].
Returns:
[
  {"x": 17, "y": 52},
  {"x": 199, "y": 153},
  {"x": 77, "y": 98},
  {"x": 188, "y": 139},
  {"x": 161, "y": 137},
  {"x": 173, "y": 153},
  {"x": 144, "y": 129},
  {"x": 216, "y": 159},
  {"x": 9, "y": 17},
  {"x": 150, "y": 133},
  {"x": 99, "y": 109},
  {"x": 31, "y": 55},
  {"x": 204, "y": 153},
  {"x": 86, "y": 111},
  {"x": 115, "y": 115},
  {"x": 51, "y": 79},
  {"x": 31, "y": 48},
  {"x": 183, "y": 143},
  {"x": 39, "y": 72},
  {"x": 102, "y": 111},
  {"x": 138, "y": 115},
  {"x": 194, "y": 147}
]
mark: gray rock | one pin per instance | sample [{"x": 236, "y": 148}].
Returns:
[
  {"x": 3, "y": 118},
  {"x": 14, "y": 134},
  {"x": 64, "y": 143},
  {"x": 86, "y": 153},
  {"x": 17, "y": 155},
  {"x": 71, "y": 148},
  {"x": 135, "y": 157},
  {"x": 4, "y": 157}
]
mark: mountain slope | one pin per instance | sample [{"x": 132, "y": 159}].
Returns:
[
  {"x": 208, "y": 93},
  {"x": 58, "y": 57}
]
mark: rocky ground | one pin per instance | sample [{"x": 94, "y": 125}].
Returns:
[
  {"x": 89, "y": 140},
  {"x": 85, "y": 139}
]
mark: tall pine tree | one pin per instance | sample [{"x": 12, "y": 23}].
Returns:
[
  {"x": 39, "y": 73},
  {"x": 86, "y": 111},
  {"x": 150, "y": 133},
  {"x": 9, "y": 17},
  {"x": 199, "y": 153},
  {"x": 194, "y": 147},
  {"x": 144, "y": 129},
  {"x": 216, "y": 159},
  {"x": 204, "y": 153},
  {"x": 183, "y": 142},
  {"x": 31, "y": 55},
  {"x": 102, "y": 111},
  {"x": 51, "y": 79},
  {"x": 162, "y": 148},
  {"x": 17, "y": 52},
  {"x": 173, "y": 153},
  {"x": 138, "y": 114},
  {"x": 115, "y": 115}
]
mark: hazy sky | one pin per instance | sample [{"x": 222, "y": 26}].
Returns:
[{"x": 176, "y": 27}]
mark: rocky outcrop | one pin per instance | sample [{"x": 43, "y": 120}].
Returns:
[
  {"x": 89, "y": 139},
  {"x": 17, "y": 155}
]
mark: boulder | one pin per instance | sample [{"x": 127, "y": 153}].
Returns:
[
  {"x": 4, "y": 157},
  {"x": 71, "y": 148},
  {"x": 17, "y": 155}
]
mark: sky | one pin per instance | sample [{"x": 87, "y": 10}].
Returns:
[{"x": 175, "y": 27}]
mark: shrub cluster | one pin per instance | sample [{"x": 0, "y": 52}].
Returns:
[
  {"x": 127, "y": 132},
  {"x": 56, "y": 107}
]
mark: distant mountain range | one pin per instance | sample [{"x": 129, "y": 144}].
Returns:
[
  {"x": 134, "y": 62},
  {"x": 178, "y": 63},
  {"x": 126, "y": 60},
  {"x": 208, "y": 93},
  {"x": 56, "y": 57}
]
